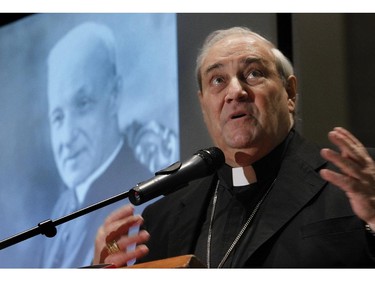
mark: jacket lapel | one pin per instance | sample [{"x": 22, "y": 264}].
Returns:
[
  {"x": 190, "y": 212},
  {"x": 297, "y": 183}
]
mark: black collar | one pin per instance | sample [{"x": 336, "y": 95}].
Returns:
[{"x": 266, "y": 169}]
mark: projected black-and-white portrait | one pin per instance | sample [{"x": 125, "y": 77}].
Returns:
[{"x": 91, "y": 107}]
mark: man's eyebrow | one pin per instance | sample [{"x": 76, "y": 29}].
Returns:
[
  {"x": 246, "y": 61},
  {"x": 250, "y": 60},
  {"x": 213, "y": 67}
]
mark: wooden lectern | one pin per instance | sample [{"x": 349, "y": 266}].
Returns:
[{"x": 186, "y": 261}]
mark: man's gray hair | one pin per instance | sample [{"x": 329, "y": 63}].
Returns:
[{"x": 283, "y": 65}]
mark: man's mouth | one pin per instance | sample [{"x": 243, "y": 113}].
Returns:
[
  {"x": 236, "y": 116},
  {"x": 71, "y": 157}
]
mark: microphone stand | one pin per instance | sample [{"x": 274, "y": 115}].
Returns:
[
  {"x": 48, "y": 227},
  {"x": 208, "y": 159}
]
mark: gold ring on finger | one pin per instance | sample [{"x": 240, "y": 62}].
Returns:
[{"x": 113, "y": 247}]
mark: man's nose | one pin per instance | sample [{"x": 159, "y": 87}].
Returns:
[
  {"x": 69, "y": 131},
  {"x": 236, "y": 90}
]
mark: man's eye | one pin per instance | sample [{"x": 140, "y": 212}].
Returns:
[
  {"x": 217, "y": 80},
  {"x": 84, "y": 103},
  {"x": 254, "y": 74},
  {"x": 81, "y": 103},
  {"x": 57, "y": 118}
]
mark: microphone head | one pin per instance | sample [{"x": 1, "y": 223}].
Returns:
[
  {"x": 203, "y": 163},
  {"x": 214, "y": 158}
]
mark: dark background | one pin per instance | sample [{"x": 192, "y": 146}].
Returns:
[
  {"x": 334, "y": 59},
  {"x": 333, "y": 55}
]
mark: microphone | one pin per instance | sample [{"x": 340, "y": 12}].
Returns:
[{"x": 203, "y": 163}]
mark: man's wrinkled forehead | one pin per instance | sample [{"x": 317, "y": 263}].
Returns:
[{"x": 245, "y": 49}]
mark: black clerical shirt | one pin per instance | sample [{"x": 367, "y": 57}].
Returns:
[{"x": 234, "y": 206}]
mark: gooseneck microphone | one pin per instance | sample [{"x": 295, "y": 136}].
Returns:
[{"x": 203, "y": 163}]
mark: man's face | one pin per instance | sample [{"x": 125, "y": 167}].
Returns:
[
  {"x": 81, "y": 117},
  {"x": 245, "y": 105}
]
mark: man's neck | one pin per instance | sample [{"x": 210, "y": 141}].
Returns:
[{"x": 82, "y": 189}]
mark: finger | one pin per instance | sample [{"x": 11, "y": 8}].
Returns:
[
  {"x": 121, "y": 227},
  {"x": 124, "y": 242},
  {"x": 347, "y": 135},
  {"x": 349, "y": 146},
  {"x": 346, "y": 165},
  {"x": 344, "y": 143},
  {"x": 114, "y": 231},
  {"x": 121, "y": 259},
  {"x": 120, "y": 213},
  {"x": 360, "y": 196},
  {"x": 139, "y": 238},
  {"x": 346, "y": 183}
]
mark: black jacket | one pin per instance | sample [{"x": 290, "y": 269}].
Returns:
[{"x": 304, "y": 221}]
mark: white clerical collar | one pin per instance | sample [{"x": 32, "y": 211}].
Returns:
[
  {"x": 243, "y": 176},
  {"x": 82, "y": 188}
]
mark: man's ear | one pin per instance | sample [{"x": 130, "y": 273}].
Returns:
[
  {"x": 291, "y": 89},
  {"x": 200, "y": 96},
  {"x": 114, "y": 95}
]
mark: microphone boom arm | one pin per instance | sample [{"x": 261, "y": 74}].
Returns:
[
  {"x": 168, "y": 180},
  {"x": 48, "y": 227}
]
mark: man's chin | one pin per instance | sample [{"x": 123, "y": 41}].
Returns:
[
  {"x": 73, "y": 182},
  {"x": 240, "y": 142}
]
